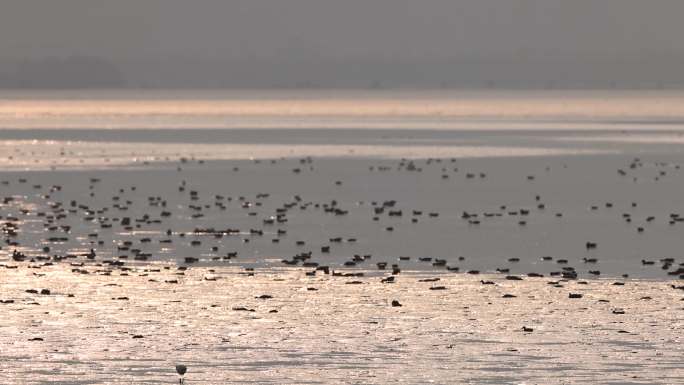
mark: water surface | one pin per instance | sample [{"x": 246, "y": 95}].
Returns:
[{"x": 553, "y": 154}]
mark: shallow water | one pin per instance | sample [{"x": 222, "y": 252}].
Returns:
[
  {"x": 483, "y": 181},
  {"x": 570, "y": 167},
  {"x": 566, "y": 185}
]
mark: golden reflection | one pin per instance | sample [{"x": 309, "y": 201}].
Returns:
[{"x": 206, "y": 109}]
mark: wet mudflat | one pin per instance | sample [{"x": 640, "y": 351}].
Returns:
[
  {"x": 532, "y": 269},
  {"x": 344, "y": 241},
  {"x": 103, "y": 325}
]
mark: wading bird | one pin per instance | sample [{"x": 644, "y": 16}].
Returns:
[{"x": 181, "y": 369}]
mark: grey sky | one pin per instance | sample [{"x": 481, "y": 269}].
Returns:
[{"x": 356, "y": 42}]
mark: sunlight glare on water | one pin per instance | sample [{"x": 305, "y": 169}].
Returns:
[{"x": 332, "y": 109}]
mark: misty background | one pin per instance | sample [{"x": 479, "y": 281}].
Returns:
[{"x": 341, "y": 43}]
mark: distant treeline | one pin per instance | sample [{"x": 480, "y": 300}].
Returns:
[
  {"x": 82, "y": 71},
  {"x": 53, "y": 72}
]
